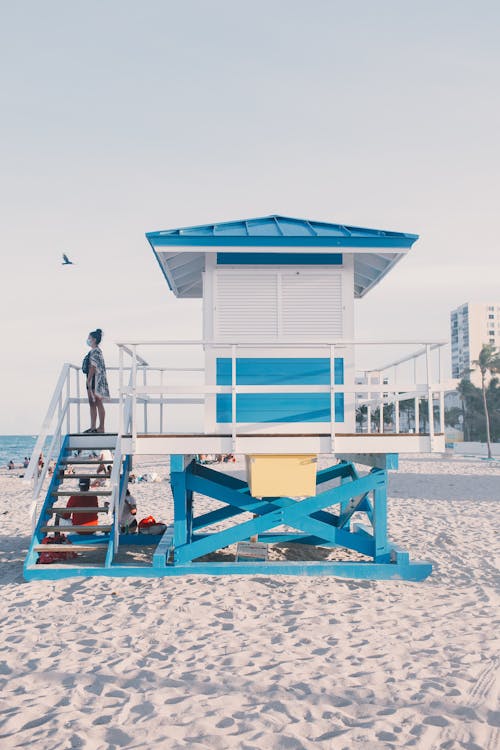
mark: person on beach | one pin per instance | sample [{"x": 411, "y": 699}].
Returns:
[
  {"x": 26, "y": 462},
  {"x": 11, "y": 465},
  {"x": 79, "y": 501},
  {"x": 128, "y": 519},
  {"x": 104, "y": 469},
  {"x": 97, "y": 383}
]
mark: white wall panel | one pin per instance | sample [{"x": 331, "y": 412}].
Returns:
[
  {"x": 276, "y": 304},
  {"x": 311, "y": 305},
  {"x": 246, "y": 305}
]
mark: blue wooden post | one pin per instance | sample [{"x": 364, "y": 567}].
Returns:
[
  {"x": 189, "y": 514},
  {"x": 345, "y": 503},
  {"x": 180, "y": 495},
  {"x": 382, "y": 549}
]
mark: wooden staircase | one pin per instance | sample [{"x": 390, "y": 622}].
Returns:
[{"x": 78, "y": 459}]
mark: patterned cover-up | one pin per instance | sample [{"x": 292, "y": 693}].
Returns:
[{"x": 101, "y": 382}]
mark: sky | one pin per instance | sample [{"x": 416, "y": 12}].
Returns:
[{"x": 123, "y": 117}]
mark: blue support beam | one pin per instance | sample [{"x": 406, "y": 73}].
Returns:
[
  {"x": 271, "y": 514},
  {"x": 178, "y": 476},
  {"x": 313, "y": 523},
  {"x": 414, "y": 571},
  {"x": 382, "y": 550}
]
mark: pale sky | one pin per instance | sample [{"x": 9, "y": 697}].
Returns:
[{"x": 123, "y": 117}]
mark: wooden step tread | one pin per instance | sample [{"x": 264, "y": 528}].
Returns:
[
  {"x": 68, "y": 547},
  {"x": 59, "y": 509},
  {"x": 75, "y": 529},
  {"x": 102, "y": 475},
  {"x": 93, "y": 434},
  {"x": 79, "y": 493},
  {"x": 82, "y": 461}
]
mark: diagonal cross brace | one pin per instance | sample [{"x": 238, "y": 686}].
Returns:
[
  {"x": 325, "y": 475},
  {"x": 351, "y": 509},
  {"x": 292, "y": 513}
]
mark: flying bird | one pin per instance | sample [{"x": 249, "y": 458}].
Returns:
[{"x": 66, "y": 261}]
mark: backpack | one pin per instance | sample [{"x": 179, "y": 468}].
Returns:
[{"x": 86, "y": 364}]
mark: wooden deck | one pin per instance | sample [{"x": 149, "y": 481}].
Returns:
[{"x": 246, "y": 444}]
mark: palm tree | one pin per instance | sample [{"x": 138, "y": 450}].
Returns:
[{"x": 488, "y": 361}]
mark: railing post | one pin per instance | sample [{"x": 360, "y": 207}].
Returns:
[
  {"x": 68, "y": 405},
  {"x": 144, "y": 382},
  {"x": 429, "y": 395},
  {"x": 121, "y": 426},
  {"x": 59, "y": 421},
  {"x": 441, "y": 412},
  {"x": 441, "y": 392},
  {"x": 78, "y": 405},
  {"x": 233, "y": 398},
  {"x": 332, "y": 398},
  {"x": 369, "y": 410},
  {"x": 133, "y": 416},
  {"x": 161, "y": 403},
  {"x": 417, "y": 415}
]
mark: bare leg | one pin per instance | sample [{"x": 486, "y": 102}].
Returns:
[
  {"x": 93, "y": 411},
  {"x": 101, "y": 412}
]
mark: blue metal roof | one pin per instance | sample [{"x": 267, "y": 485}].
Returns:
[
  {"x": 181, "y": 252},
  {"x": 277, "y": 230}
]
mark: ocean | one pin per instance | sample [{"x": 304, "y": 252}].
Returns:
[{"x": 16, "y": 447}]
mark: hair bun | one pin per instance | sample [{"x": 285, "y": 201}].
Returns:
[{"x": 98, "y": 330}]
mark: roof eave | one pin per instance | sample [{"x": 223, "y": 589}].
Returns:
[
  {"x": 167, "y": 276},
  {"x": 157, "y": 239},
  {"x": 386, "y": 270}
]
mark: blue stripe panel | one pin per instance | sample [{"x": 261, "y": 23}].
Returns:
[
  {"x": 280, "y": 259},
  {"x": 280, "y": 407},
  {"x": 280, "y": 371},
  {"x": 157, "y": 240},
  {"x": 275, "y": 407}
]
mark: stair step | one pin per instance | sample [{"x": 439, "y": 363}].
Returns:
[
  {"x": 82, "y": 461},
  {"x": 59, "y": 510},
  {"x": 68, "y": 547},
  {"x": 92, "y": 440},
  {"x": 79, "y": 493},
  {"x": 93, "y": 434},
  {"x": 75, "y": 529},
  {"x": 102, "y": 475}
]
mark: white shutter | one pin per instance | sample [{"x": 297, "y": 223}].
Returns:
[
  {"x": 311, "y": 305},
  {"x": 246, "y": 305}
]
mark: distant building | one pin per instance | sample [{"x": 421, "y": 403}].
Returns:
[{"x": 472, "y": 326}]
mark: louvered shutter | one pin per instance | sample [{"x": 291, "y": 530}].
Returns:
[
  {"x": 246, "y": 305},
  {"x": 311, "y": 305}
]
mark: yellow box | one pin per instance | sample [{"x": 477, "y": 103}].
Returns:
[{"x": 282, "y": 476}]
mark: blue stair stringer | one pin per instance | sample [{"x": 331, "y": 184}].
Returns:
[{"x": 183, "y": 548}]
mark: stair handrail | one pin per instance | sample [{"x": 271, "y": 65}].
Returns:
[{"x": 46, "y": 424}]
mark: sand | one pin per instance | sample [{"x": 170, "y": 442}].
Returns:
[{"x": 265, "y": 662}]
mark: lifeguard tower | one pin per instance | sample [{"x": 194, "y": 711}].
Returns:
[{"x": 277, "y": 378}]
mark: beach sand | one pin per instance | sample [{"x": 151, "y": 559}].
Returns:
[{"x": 265, "y": 662}]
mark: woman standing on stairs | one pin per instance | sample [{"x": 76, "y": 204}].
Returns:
[{"x": 97, "y": 383}]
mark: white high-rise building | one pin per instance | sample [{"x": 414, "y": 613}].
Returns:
[{"x": 472, "y": 326}]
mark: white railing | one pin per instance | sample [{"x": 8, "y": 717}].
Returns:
[
  {"x": 378, "y": 397},
  {"x": 401, "y": 396}
]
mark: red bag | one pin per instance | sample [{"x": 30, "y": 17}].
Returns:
[
  {"x": 145, "y": 522},
  {"x": 46, "y": 558}
]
